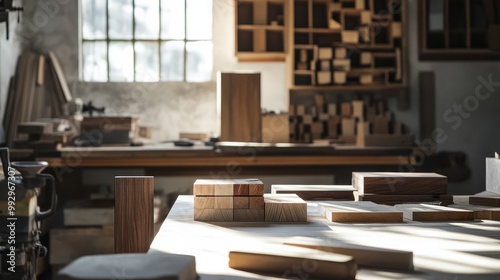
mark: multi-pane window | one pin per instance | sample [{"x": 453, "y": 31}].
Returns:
[{"x": 147, "y": 40}]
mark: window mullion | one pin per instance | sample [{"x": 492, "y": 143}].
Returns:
[
  {"x": 159, "y": 41},
  {"x": 107, "y": 38},
  {"x": 133, "y": 38},
  {"x": 185, "y": 41}
]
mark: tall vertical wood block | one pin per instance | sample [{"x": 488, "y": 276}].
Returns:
[
  {"x": 238, "y": 96},
  {"x": 348, "y": 127},
  {"x": 346, "y": 109},
  {"x": 396, "y": 29},
  {"x": 134, "y": 211}
]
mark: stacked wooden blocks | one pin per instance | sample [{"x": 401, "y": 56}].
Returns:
[
  {"x": 42, "y": 137},
  {"x": 243, "y": 200},
  {"x": 396, "y": 188}
]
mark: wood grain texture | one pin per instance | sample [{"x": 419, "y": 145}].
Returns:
[
  {"x": 256, "y": 202},
  {"x": 223, "y": 202},
  {"x": 228, "y": 187},
  {"x": 134, "y": 214},
  {"x": 204, "y": 202},
  {"x": 370, "y": 257},
  {"x": 249, "y": 215},
  {"x": 425, "y": 212},
  {"x": 316, "y": 192},
  {"x": 241, "y": 202},
  {"x": 399, "y": 183},
  {"x": 360, "y": 212},
  {"x": 481, "y": 212},
  {"x": 285, "y": 208},
  {"x": 493, "y": 201},
  {"x": 393, "y": 199},
  {"x": 282, "y": 259},
  {"x": 213, "y": 215}
]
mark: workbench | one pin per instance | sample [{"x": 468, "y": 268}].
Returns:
[{"x": 442, "y": 250}]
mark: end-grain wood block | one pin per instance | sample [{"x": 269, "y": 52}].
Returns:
[
  {"x": 396, "y": 29},
  {"x": 223, "y": 187},
  {"x": 279, "y": 259},
  {"x": 249, "y": 215},
  {"x": 223, "y": 202},
  {"x": 285, "y": 208},
  {"x": 203, "y": 187},
  {"x": 240, "y": 188},
  {"x": 256, "y": 202},
  {"x": 366, "y": 17},
  {"x": 241, "y": 202},
  {"x": 399, "y": 183},
  {"x": 350, "y": 37},
  {"x": 134, "y": 213},
  {"x": 340, "y": 53},
  {"x": 493, "y": 201},
  {"x": 366, "y": 58},
  {"x": 324, "y": 65},
  {"x": 204, "y": 202},
  {"x": 366, "y": 79},
  {"x": 324, "y": 77},
  {"x": 255, "y": 187},
  {"x": 365, "y": 256},
  {"x": 341, "y": 64},
  {"x": 426, "y": 212},
  {"x": 332, "y": 109},
  {"x": 339, "y": 77},
  {"x": 213, "y": 215},
  {"x": 325, "y": 53},
  {"x": 315, "y": 192},
  {"x": 481, "y": 212},
  {"x": 360, "y": 212}
]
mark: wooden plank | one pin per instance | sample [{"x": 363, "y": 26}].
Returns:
[
  {"x": 369, "y": 257},
  {"x": 426, "y": 212},
  {"x": 285, "y": 208},
  {"x": 427, "y": 107},
  {"x": 393, "y": 199},
  {"x": 88, "y": 213},
  {"x": 481, "y": 212},
  {"x": 260, "y": 12},
  {"x": 281, "y": 259},
  {"x": 134, "y": 214},
  {"x": 360, "y": 212},
  {"x": 493, "y": 201},
  {"x": 248, "y": 215},
  {"x": 60, "y": 77},
  {"x": 316, "y": 192},
  {"x": 399, "y": 183},
  {"x": 213, "y": 215}
]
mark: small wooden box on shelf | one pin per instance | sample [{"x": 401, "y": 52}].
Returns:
[{"x": 260, "y": 32}]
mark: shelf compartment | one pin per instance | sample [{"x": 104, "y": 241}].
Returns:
[{"x": 301, "y": 14}]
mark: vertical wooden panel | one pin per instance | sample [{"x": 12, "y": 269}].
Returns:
[
  {"x": 134, "y": 229},
  {"x": 427, "y": 104}
]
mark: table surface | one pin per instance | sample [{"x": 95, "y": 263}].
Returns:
[{"x": 442, "y": 250}]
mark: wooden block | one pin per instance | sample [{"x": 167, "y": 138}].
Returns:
[
  {"x": 223, "y": 187},
  {"x": 381, "y": 125},
  {"x": 241, "y": 202},
  {"x": 384, "y": 140},
  {"x": 317, "y": 128},
  {"x": 370, "y": 257},
  {"x": 359, "y": 212},
  {"x": 323, "y": 117},
  {"x": 366, "y": 58},
  {"x": 256, "y": 202},
  {"x": 256, "y": 187},
  {"x": 303, "y": 55},
  {"x": 346, "y": 109},
  {"x": 285, "y": 208},
  {"x": 307, "y": 119},
  {"x": 366, "y": 17},
  {"x": 365, "y": 34},
  {"x": 333, "y": 127},
  {"x": 333, "y": 24},
  {"x": 350, "y": 36},
  {"x": 399, "y": 183},
  {"x": 260, "y": 13},
  {"x": 324, "y": 65},
  {"x": 493, "y": 175},
  {"x": 316, "y": 192},
  {"x": 357, "y": 110},
  {"x": 339, "y": 77},
  {"x": 332, "y": 109},
  {"x": 312, "y": 65},
  {"x": 493, "y": 201},
  {"x": 223, "y": 202},
  {"x": 259, "y": 40},
  {"x": 204, "y": 202},
  {"x": 240, "y": 189},
  {"x": 340, "y": 53},
  {"x": 134, "y": 214},
  {"x": 325, "y": 53},
  {"x": 302, "y": 66},
  {"x": 360, "y": 4},
  {"x": 426, "y": 212},
  {"x": 366, "y": 79},
  {"x": 34, "y": 127},
  {"x": 393, "y": 199},
  {"x": 249, "y": 215},
  {"x": 324, "y": 77},
  {"x": 280, "y": 259},
  {"x": 481, "y": 212},
  {"x": 213, "y": 215},
  {"x": 396, "y": 29},
  {"x": 342, "y": 64},
  {"x": 203, "y": 187},
  {"x": 348, "y": 127},
  {"x": 301, "y": 110},
  {"x": 399, "y": 65}
]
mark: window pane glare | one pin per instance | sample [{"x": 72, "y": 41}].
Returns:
[
  {"x": 172, "y": 19},
  {"x": 94, "y": 19},
  {"x": 121, "y": 62},
  {"x": 199, "y": 61},
  {"x": 172, "y": 61},
  {"x": 147, "y": 19},
  {"x": 146, "y": 62},
  {"x": 120, "y": 19},
  {"x": 199, "y": 19},
  {"x": 95, "y": 62}
]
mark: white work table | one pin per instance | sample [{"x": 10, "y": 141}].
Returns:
[{"x": 442, "y": 250}]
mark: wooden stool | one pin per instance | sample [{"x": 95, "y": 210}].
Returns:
[{"x": 153, "y": 266}]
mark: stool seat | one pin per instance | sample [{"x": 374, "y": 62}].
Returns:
[{"x": 152, "y": 266}]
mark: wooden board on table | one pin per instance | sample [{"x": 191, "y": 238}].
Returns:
[
  {"x": 393, "y": 199},
  {"x": 399, "y": 183},
  {"x": 359, "y": 212},
  {"x": 315, "y": 192},
  {"x": 426, "y": 212},
  {"x": 493, "y": 201},
  {"x": 89, "y": 213},
  {"x": 228, "y": 187},
  {"x": 370, "y": 257},
  {"x": 34, "y": 127},
  {"x": 280, "y": 259},
  {"x": 285, "y": 208},
  {"x": 481, "y": 212}
]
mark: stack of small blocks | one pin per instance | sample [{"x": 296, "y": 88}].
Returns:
[{"x": 243, "y": 200}]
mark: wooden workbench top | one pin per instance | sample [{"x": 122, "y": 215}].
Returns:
[{"x": 445, "y": 250}]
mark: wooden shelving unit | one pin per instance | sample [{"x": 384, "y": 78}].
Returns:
[
  {"x": 357, "y": 45},
  {"x": 260, "y": 33},
  {"x": 459, "y": 29}
]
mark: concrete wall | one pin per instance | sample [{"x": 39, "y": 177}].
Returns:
[{"x": 172, "y": 107}]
